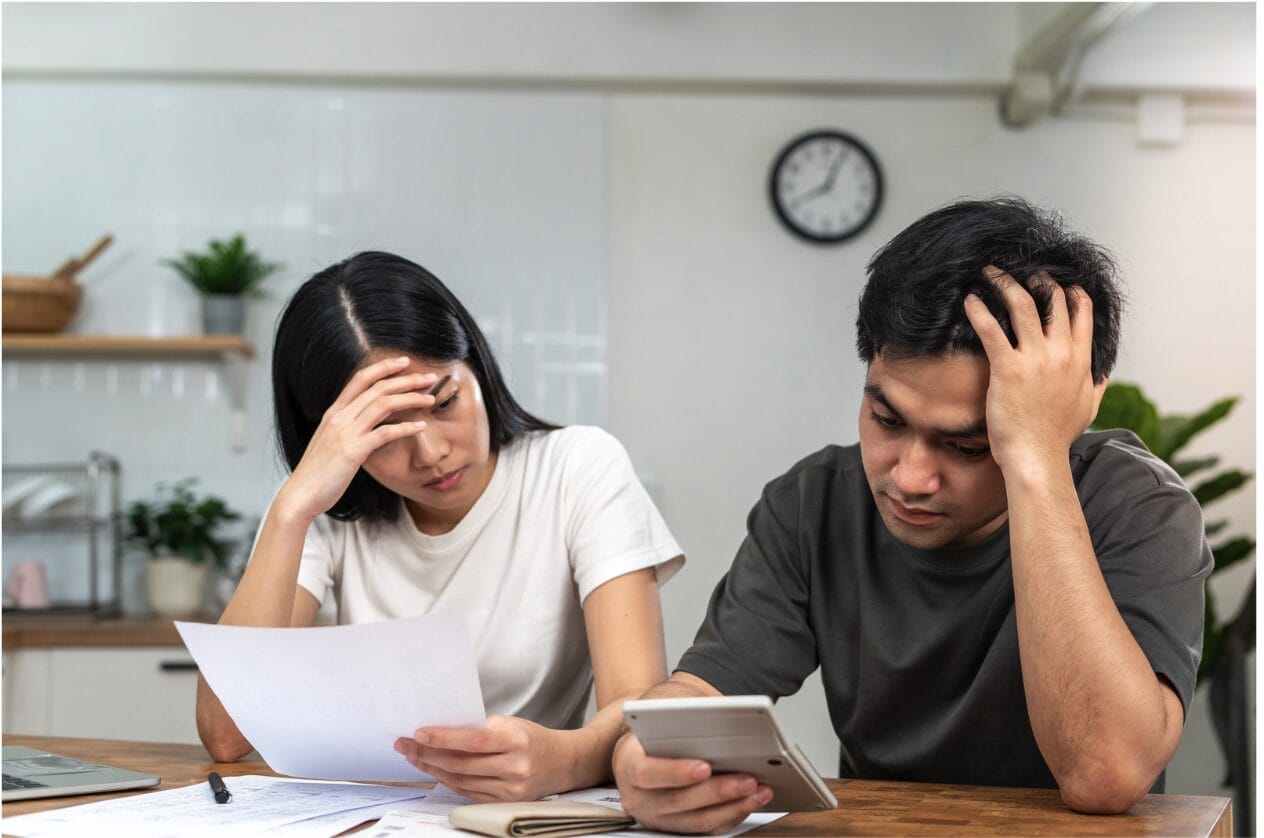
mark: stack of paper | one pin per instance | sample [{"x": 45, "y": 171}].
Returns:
[{"x": 259, "y": 806}]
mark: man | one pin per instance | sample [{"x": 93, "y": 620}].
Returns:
[{"x": 994, "y": 596}]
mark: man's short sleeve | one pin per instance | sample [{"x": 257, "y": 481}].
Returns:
[
  {"x": 756, "y": 638},
  {"x": 1148, "y": 533}
]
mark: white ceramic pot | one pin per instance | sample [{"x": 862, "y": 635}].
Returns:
[{"x": 175, "y": 587}]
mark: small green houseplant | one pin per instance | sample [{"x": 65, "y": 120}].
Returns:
[
  {"x": 1225, "y": 641},
  {"x": 178, "y": 530},
  {"x": 225, "y": 274}
]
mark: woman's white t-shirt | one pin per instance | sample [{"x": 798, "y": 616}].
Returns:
[{"x": 563, "y": 513}]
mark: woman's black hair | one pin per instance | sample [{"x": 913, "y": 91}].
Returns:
[
  {"x": 914, "y": 302},
  {"x": 333, "y": 322}
]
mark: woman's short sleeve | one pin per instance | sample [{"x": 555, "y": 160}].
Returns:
[
  {"x": 320, "y": 565},
  {"x": 612, "y": 525}
]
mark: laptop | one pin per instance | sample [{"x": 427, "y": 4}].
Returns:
[{"x": 31, "y": 773}]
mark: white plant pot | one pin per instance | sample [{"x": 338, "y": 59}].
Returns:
[{"x": 175, "y": 587}]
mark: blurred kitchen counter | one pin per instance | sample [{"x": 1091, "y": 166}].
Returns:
[{"x": 29, "y": 632}]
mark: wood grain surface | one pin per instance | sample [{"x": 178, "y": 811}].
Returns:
[
  {"x": 27, "y": 632},
  {"x": 75, "y": 345},
  {"x": 866, "y": 807}
]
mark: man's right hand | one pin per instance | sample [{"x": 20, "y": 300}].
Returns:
[{"x": 680, "y": 795}]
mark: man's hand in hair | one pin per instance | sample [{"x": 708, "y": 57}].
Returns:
[{"x": 1041, "y": 394}]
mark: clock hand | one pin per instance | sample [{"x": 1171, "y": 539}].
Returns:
[
  {"x": 825, "y": 186},
  {"x": 814, "y": 192},
  {"x": 835, "y": 169},
  {"x": 807, "y": 196}
]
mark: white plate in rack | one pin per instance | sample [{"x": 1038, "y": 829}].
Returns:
[
  {"x": 21, "y": 490},
  {"x": 52, "y": 500}
]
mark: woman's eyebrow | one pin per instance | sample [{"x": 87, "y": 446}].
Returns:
[{"x": 434, "y": 391}]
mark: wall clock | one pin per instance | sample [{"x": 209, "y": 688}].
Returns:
[{"x": 826, "y": 186}]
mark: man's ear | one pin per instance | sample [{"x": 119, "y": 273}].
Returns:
[{"x": 1099, "y": 390}]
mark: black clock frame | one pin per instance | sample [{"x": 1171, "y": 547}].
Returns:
[{"x": 808, "y": 137}]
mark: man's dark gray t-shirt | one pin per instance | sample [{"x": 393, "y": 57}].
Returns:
[{"x": 918, "y": 649}]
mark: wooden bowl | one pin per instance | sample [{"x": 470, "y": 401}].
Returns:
[{"x": 39, "y": 304}]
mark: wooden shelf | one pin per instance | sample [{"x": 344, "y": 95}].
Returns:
[{"x": 86, "y": 346}]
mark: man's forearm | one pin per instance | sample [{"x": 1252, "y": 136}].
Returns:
[
  {"x": 1098, "y": 711},
  {"x": 682, "y": 685}
]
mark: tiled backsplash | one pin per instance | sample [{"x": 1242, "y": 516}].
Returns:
[{"x": 502, "y": 195}]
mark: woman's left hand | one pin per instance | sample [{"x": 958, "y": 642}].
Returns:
[{"x": 511, "y": 759}]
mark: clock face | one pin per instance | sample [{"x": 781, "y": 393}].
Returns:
[{"x": 826, "y": 186}]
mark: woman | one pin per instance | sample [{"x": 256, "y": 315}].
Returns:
[{"x": 419, "y": 484}]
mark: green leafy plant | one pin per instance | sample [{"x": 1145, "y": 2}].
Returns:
[
  {"x": 225, "y": 267},
  {"x": 176, "y": 522},
  {"x": 1126, "y": 406}
]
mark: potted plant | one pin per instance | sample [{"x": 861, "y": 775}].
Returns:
[
  {"x": 178, "y": 531},
  {"x": 225, "y": 274}
]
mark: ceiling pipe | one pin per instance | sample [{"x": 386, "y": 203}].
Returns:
[{"x": 1047, "y": 68}]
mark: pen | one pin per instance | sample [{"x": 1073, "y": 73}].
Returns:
[{"x": 221, "y": 792}]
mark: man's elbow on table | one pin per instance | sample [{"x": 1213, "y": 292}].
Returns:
[
  {"x": 1106, "y": 787},
  {"x": 1110, "y": 776}
]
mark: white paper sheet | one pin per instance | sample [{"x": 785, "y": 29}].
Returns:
[
  {"x": 329, "y": 702},
  {"x": 260, "y": 806},
  {"x": 428, "y": 818}
]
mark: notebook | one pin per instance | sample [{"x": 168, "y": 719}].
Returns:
[{"x": 30, "y": 773}]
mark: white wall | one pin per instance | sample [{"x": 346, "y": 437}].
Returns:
[{"x": 731, "y": 343}]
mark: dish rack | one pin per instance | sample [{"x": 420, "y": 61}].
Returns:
[{"x": 67, "y": 517}]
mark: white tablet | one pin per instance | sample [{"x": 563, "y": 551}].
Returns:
[{"x": 735, "y": 734}]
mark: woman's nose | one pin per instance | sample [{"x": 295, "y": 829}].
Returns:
[{"x": 426, "y": 448}]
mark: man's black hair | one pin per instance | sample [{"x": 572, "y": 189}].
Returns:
[
  {"x": 913, "y": 302},
  {"x": 333, "y": 322}
]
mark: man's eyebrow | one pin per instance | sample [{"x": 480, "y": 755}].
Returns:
[
  {"x": 434, "y": 391},
  {"x": 978, "y": 428},
  {"x": 874, "y": 392},
  {"x": 974, "y": 429}
]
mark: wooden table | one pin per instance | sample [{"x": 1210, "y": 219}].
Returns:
[{"x": 865, "y": 807}]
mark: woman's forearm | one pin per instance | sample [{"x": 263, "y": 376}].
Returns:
[
  {"x": 593, "y": 745},
  {"x": 266, "y": 596}
]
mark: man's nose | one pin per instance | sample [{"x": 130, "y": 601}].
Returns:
[{"x": 916, "y": 472}]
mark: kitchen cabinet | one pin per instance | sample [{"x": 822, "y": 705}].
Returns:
[
  {"x": 146, "y": 695},
  {"x": 62, "y": 679}
]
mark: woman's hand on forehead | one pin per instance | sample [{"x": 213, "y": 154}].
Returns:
[{"x": 353, "y": 428}]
